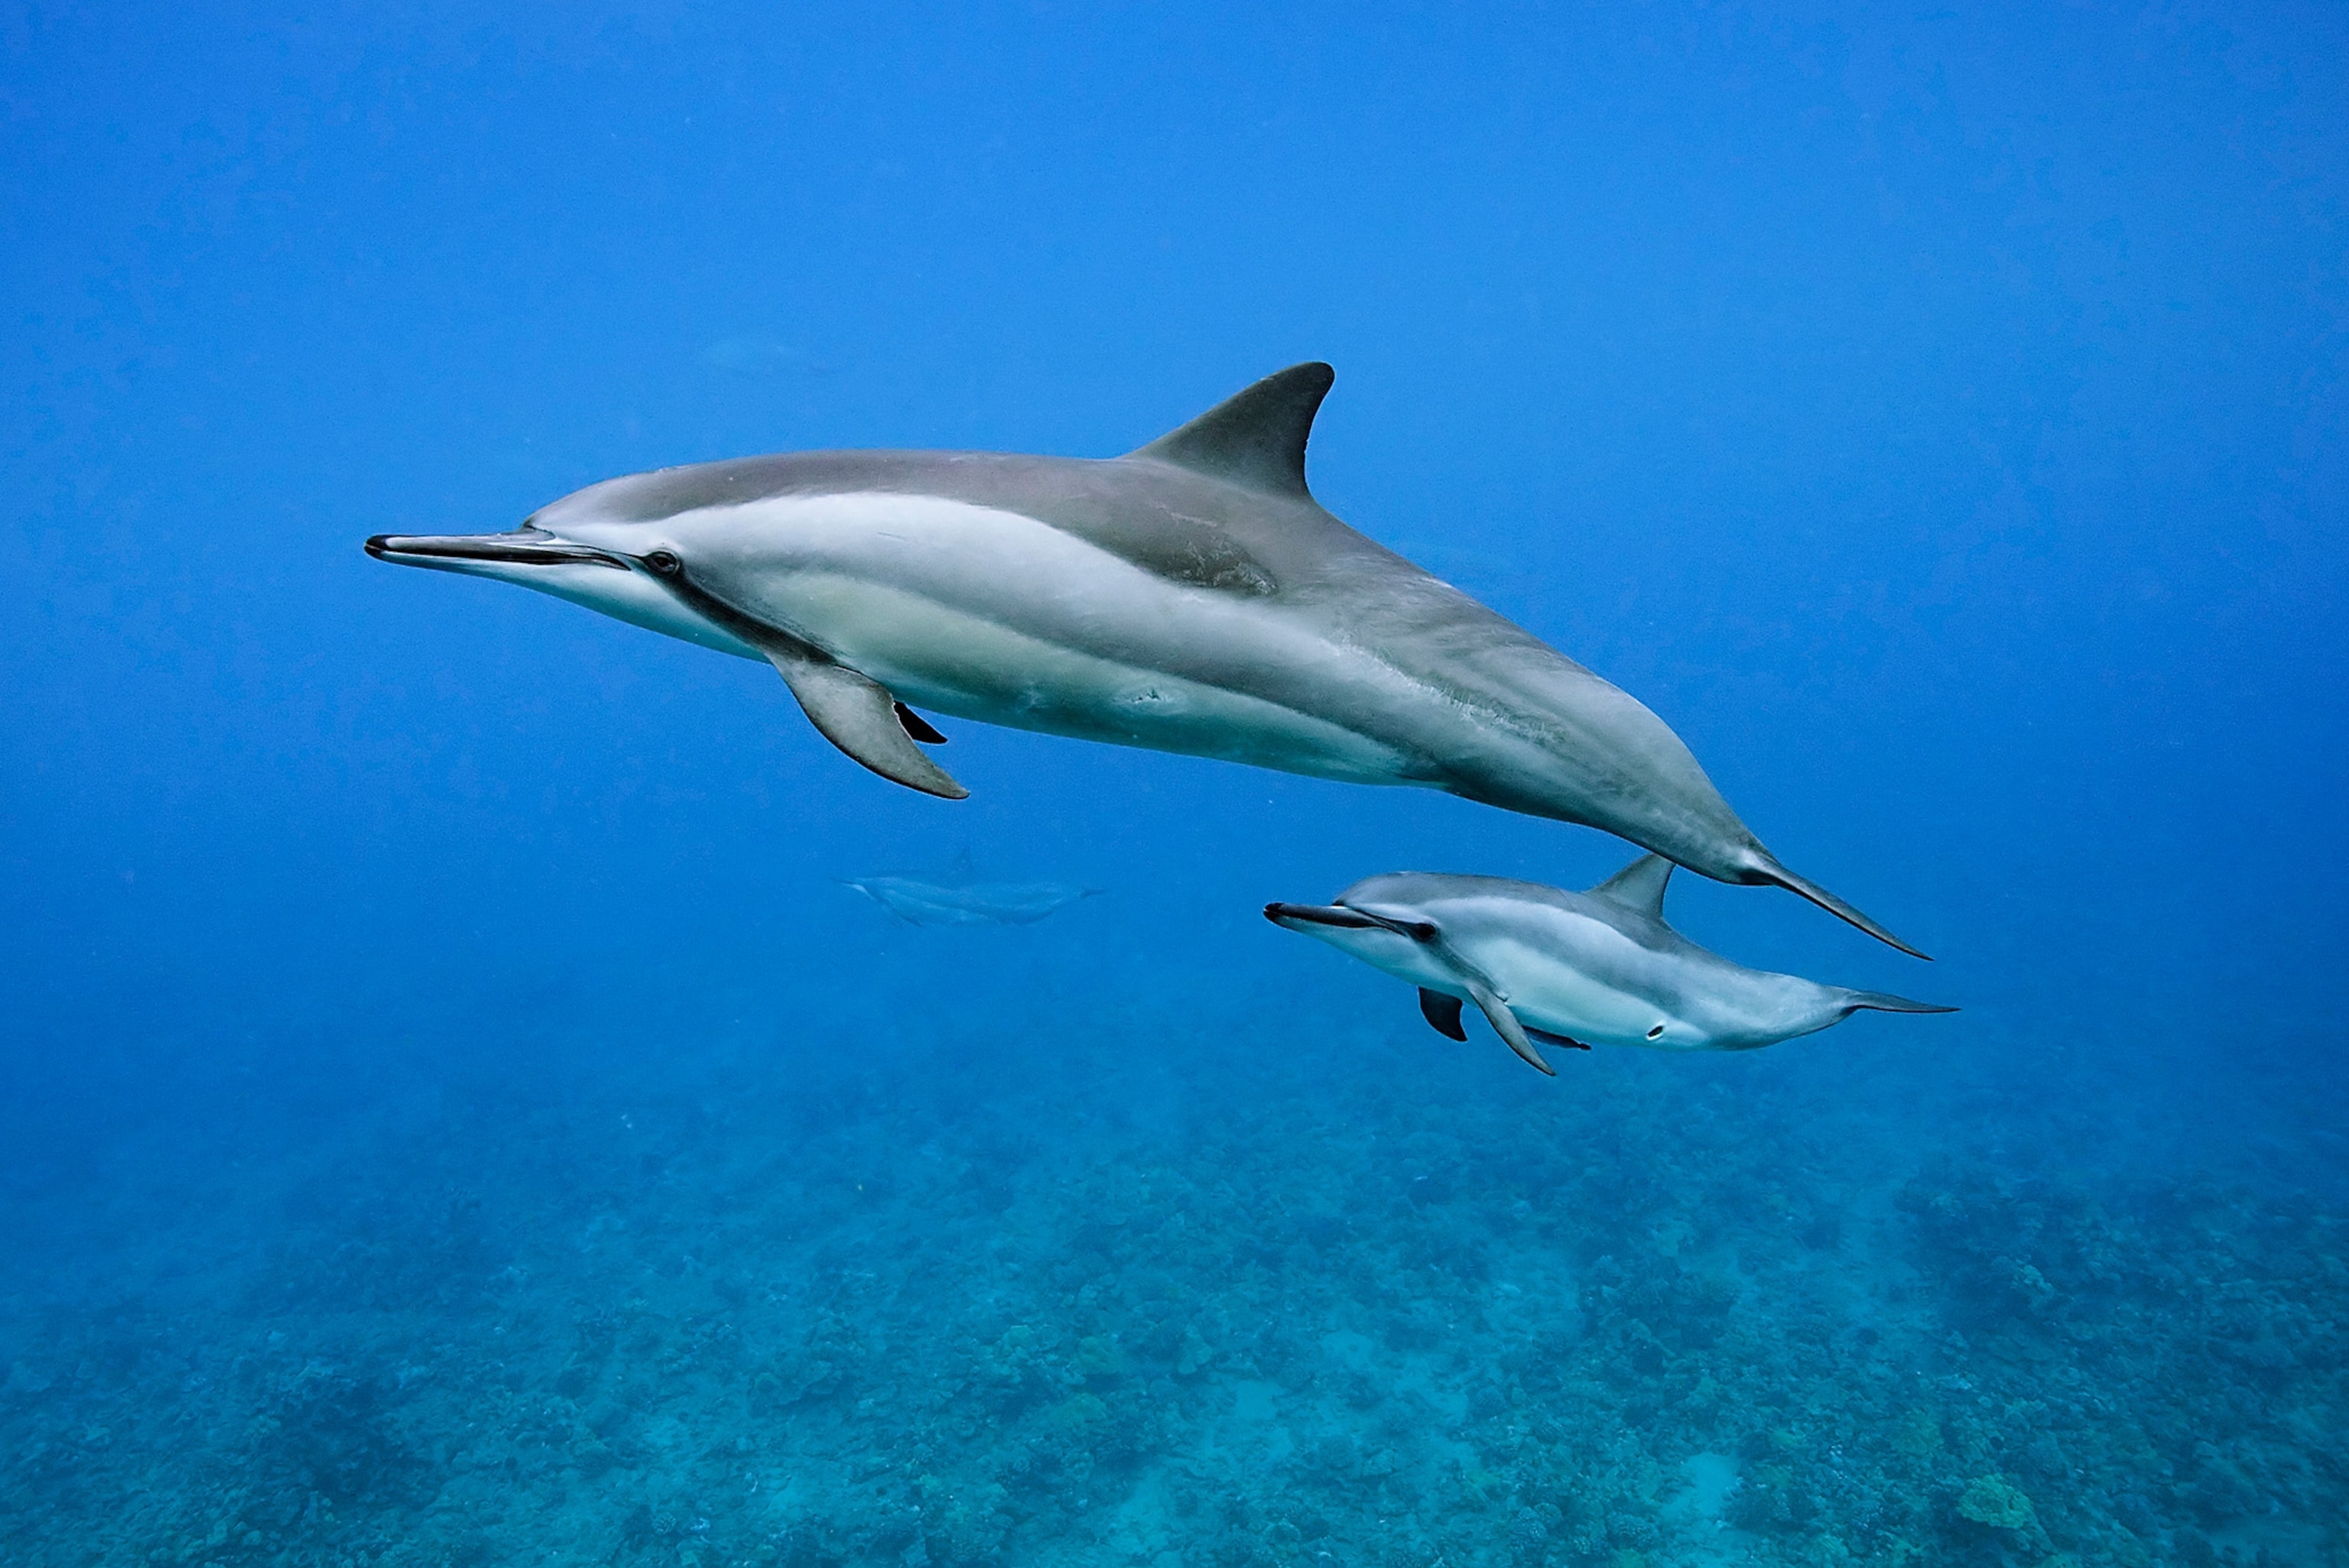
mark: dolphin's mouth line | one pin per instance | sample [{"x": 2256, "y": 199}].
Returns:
[
  {"x": 1323, "y": 914},
  {"x": 1344, "y": 918},
  {"x": 524, "y": 547}
]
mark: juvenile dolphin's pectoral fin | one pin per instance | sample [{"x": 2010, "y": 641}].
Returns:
[
  {"x": 857, "y": 714},
  {"x": 1255, "y": 438},
  {"x": 1639, "y": 887},
  {"x": 920, "y": 728},
  {"x": 1442, "y": 1013},
  {"x": 1504, "y": 1023},
  {"x": 1547, "y": 1039}
]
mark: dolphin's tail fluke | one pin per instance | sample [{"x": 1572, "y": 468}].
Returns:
[
  {"x": 1770, "y": 870},
  {"x": 1885, "y": 1002}
]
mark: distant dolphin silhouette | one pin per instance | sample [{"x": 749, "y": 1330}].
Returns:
[
  {"x": 1190, "y": 596},
  {"x": 920, "y": 902},
  {"x": 1571, "y": 969},
  {"x": 959, "y": 897}
]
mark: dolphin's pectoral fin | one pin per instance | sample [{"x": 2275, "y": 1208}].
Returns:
[
  {"x": 857, "y": 714},
  {"x": 920, "y": 728},
  {"x": 1442, "y": 1013},
  {"x": 1547, "y": 1039},
  {"x": 1504, "y": 1023}
]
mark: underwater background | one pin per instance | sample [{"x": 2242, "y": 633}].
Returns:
[{"x": 452, "y": 1112}]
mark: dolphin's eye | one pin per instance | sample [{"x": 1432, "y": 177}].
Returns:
[
  {"x": 663, "y": 561},
  {"x": 1656, "y": 1033},
  {"x": 1421, "y": 930}
]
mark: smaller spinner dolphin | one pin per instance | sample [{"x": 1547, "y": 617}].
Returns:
[{"x": 1571, "y": 969}]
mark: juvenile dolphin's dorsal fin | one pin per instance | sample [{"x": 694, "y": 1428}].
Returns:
[
  {"x": 1639, "y": 887},
  {"x": 1255, "y": 438}
]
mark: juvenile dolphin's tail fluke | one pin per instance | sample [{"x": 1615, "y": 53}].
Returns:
[
  {"x": 1885, "y": 1002},
  {"x": 1772, "y": 871}
]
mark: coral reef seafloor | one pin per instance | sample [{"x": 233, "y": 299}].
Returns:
[{"x": 1398, "y": 1304}]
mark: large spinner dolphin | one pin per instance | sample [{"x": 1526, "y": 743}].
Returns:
[{"x": 1190, "y": 596}]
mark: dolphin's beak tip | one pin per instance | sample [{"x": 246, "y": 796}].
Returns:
[{"x": 378, "y": 546}]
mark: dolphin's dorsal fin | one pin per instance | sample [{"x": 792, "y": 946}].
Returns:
[
  {"x": 1639, "y": 887},
  {"x": 1255, "y": 438}
]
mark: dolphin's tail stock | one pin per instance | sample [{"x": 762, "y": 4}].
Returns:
[
  {"x": 1885, "y": 1002},
  {"x": 1770, "y": 870}
]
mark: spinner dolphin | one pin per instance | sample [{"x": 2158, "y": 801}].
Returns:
[
  {"x": 1190, "y": 596},
  {"x": 1571, "y": 969}
]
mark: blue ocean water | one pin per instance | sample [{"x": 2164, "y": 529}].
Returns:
[{"x": 454, "y": 1114}]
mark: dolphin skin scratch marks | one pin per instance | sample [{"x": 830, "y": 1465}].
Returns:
[
  {"x": 1570, "y": 969},
  {"x": 1190, "y": 596}
]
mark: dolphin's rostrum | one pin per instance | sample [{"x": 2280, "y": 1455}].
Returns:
[
  {"x": 1190, "y": 596},
  {"x": 1571, "y": 969}
]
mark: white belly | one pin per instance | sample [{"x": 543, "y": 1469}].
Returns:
[
  {"x": 1566, "y": 1000},
  {"x": 1582, "y": 978},
  {"x": 991, "y": 615}
]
